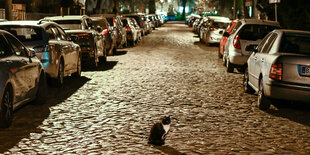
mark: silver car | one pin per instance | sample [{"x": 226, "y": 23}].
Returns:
[
  {"x": 22, "y": 78},
  {"x": 59, "y": 55},
  {"x": 215, "y": 30},
  {"x": 246, "y": 32},
  {"x": 279, "y": 68}
]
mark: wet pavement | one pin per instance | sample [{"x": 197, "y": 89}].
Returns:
[{"x": 112, "y": 109}]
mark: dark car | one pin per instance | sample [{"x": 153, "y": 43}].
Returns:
[
  {"x": 109, "y": 33},
  {"x": 142, "y": 22},
  {"x": 22, "y": 77},
  {"x": 91, "y": 42},
  {"x": 115, "y": 21},
  {"x": 59, "y": 55}
]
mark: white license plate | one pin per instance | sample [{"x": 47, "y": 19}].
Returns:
[{"x": 305, "y": 70}]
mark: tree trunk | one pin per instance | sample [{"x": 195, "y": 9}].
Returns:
[
  {"x": 8, "y": 10},
  {"x": 152, "y": 8},
  {"x": 184, "y": 6},
  {"x": 116, "y": 7}
]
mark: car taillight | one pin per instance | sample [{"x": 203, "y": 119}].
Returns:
[
  {"x": 213, "y": 29},
  {"x": 84, "y": 36},
  {"x": 104, "y": 32},
  {"x": 236, "y": 42},
  {"x": 127, "y": 28},
  {"x": 43, "y": 48},
  {"x": 276, "y": 71}
]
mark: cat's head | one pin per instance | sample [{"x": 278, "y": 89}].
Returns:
[{"x": 166, "y": 120}]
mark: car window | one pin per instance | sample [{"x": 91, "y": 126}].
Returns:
[
  {"x": 4, "y": 47},
  {"x": 295, "y": 44},
  {"x": 17, "y": 47},
  {"x": 61, "y": 33},
  {"x": 89, "y": 24},
  {"x": 262, "y": 43},
  {"x": 51, "y": 34},
  {"x": 25, "y": 33},
  {"x": 255, "y": 31},
  {"x": 236, "y": 27},
  {"x": 269, "y": 43}
]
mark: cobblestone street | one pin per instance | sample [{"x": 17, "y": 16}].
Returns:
[{"x": 111, "y": 110}]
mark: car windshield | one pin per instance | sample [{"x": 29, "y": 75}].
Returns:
[
  {"x": 100, "y": 23},
  {"x": 25, "y": 34},
  {"x": 110, "y": 20},
  {"x": 255, "y": 32},
  {"x": 295, "y": 44},
  {"x": 70, "y": 24}
]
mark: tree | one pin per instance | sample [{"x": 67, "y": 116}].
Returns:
[{"x": 8, "y": 9}]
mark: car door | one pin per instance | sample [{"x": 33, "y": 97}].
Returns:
[
  {"x": 71, "y": 53},
  {"x": 252, "y": 70},
  {"x": 27, "y": 72}
]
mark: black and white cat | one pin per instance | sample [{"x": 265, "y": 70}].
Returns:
[{"x": 159, "y": 131}]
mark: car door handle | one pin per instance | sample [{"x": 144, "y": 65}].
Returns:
[{"x": 262, "y": 60}]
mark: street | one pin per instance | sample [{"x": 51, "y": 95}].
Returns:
[{"x": 111, "y": 110}]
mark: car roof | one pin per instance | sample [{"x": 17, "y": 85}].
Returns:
[
  {"x": 74, "y": 17},
  {"x": 36, "y": 23},
  {"x": 259, "y": 21},
  {"x": 289, "y": 31}
]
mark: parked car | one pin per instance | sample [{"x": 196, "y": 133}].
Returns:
[
  {"x": 141, "y": 20},
  {"x": 132, "y": 32},
  {"x": 59, "y": 55},
  {"x": 139, "y": 30},
  {"x": 278, "y": 69},
  {"x": 3, "y": 20},
  {"x": 224, "y": 38},
  {"x": 195, "y": 24},
  {"x": 246, "y": 32},
  {"x": 214, "y": 31},
  {"x": 103, "y": 26},
  {"x": 115, "y": 21},
  {"x": 151, "y": 21},
  {"x": 22, "y": 77},
  {"x": 91, "y": 42}
]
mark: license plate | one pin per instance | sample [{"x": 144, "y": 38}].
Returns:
[{"x": 305, "y": 70}]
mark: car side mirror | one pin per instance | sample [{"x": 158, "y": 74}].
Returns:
[
  {"x": 252, "y": 47},
  {"x": 32, "y": 52},
  {"x": 226, "y": 34}
]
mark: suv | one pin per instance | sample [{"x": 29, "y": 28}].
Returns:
[
  {"x": 59, "y": 55},
  {"x": 246, "y": 32},
  {"x": 91, "y": 41}
]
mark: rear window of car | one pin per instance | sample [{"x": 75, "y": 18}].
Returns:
[
  {"x": 70, "y": 24},
  {"x": 295, "y": 44},
  {"x": 255, "y": 31},
  {"x": 25, "y": 33},
  {"x": 221, "y": 25},
  {"x": 110, "y": 20},
  {"x": 100, "y": 23}
]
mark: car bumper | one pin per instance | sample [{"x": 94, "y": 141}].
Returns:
[
  {"x": 237, "y": 58},
  {"x": 287, "y": 91}
]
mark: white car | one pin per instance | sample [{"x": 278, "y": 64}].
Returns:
[
  {"x": 279, "y": 68},
  {"x": 246, "y": 32},
  {"x": 215, "y": 30}
]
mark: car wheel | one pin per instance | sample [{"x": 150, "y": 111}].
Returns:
[
  {"x": 78, "y": 72},
  {"x": 224, "y": 60},
  {"x": 219, "y": 53},
  {"x": 229, "y": 66},
  {"x": 263, "y": 102},
  {"x": 42, "y": 91},
  {"x": 6, "y": 112},
  {"x": 246, "y": 87},
  {"x": 61, "y": 74}
]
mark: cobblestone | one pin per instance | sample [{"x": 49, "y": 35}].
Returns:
[{"x": 111, "y": 110}]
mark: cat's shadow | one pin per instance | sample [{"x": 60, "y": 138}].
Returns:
[{"x": 168, "y": 150}]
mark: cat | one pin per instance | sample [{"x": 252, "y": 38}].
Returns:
[{"x": 159, "y": 132}]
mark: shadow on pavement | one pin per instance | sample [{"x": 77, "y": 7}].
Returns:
[
  {"x": 102, "y": 67},
  {"x": 121, "y": 52},
  {"x": 29, "y": 117},
  {"x": 297, "y": 112},
  {"x": 168, "y": 150}
]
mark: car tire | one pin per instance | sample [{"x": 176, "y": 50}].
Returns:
[
  {"x": 78, "y": 72},
  {"x": 229, "y": 66},
  {"x": 6, "y": 112},
  {"x": 42, "y": 91},
  {"x": 219, "y": 53},
  {"x": 246, "y": 87},
  {"x": 59, "y": 81},
  {"x": 263, "y": 103}
]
